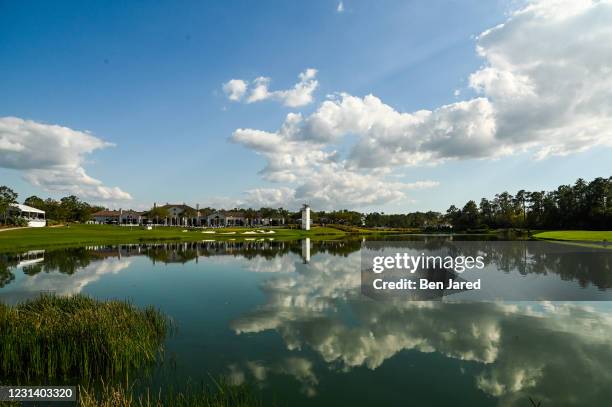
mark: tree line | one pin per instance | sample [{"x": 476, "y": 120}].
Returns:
[
  {"x": 66, "y": 209},
  {"x": 583, "y": 205},
  {"x": 377, "y": 219}
]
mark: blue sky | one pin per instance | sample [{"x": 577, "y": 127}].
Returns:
[{"x": 148, "y": 77}]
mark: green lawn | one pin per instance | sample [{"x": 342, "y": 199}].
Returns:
[
  {"x": 74, "y": 235},
  {"x": 570, "y": 235}
]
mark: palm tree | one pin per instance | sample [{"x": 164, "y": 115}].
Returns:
[{"x": 157, "y": 212}]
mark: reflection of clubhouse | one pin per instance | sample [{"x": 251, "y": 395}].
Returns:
[{"x": 184, "y": 215}]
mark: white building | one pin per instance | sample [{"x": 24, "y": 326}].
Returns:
[
  {"x": 225, "y": 218},
  {"x": 239, "y": 218},
  {"x": 306, "y": 217},
  {"x": 34, "y": 217},
  {"x": 119, "y": 217},
  {"x": 182, "y": 215}
]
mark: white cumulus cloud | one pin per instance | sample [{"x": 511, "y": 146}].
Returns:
[
  {"x": 52, "y": 157},
  {"x": 315, "y": 175},
  {"x": 272, "y": 197},
  {"x": 545, "y": 87},
  {"x": 259, "y": 89},
  {"x": 235, "y": 89}
]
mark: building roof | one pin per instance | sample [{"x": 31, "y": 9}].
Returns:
[
  {"x": 182, "y": 206},
  {"x": 241, "y": 214},
  {"x": 131, "y": 212},
  {"x": 231, "y": 214},
  {"x": 234, "y": 214},
  {"x": 26, "y": 208},
  {"x": 116, "y": 213},
  {"x": 106, "y": 213}
]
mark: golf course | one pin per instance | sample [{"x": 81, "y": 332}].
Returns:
[
  {"x": 576, "y": 235},
  {"x": 82, "y": 234}
]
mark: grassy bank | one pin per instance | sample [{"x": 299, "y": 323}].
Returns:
[
  {"x": 55, "y": 337},
  {"x": 98, "y": 343},
  {"x": 78, "y": 235},
  {"x": 119, "y": 395},
  {"x": 576, "y": 235},
  {"x": 218, "y": 394}
]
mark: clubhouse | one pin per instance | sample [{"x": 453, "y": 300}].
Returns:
[{"x": 185, "y": 215}]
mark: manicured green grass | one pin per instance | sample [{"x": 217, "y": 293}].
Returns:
[
  {"x": 79, "y": 234},
  {"x": 77, "y": 337},
  {"x": 580, "y": 235}
]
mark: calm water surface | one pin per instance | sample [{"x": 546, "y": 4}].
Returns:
[{"x": 290, "y": 318}]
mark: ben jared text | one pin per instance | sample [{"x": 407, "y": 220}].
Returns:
[{"x": 426, "y": 265}]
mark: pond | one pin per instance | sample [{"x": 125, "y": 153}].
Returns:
[{"x": 290, "y": 318}]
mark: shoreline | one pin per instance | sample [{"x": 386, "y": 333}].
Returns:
[
  {"x": 79, "y": 234},
  {"x": 17, "y": 239}
]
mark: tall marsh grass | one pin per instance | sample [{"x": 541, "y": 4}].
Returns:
[
  {"x": 219, "y": 394},
  {"x": 77, "y": 337}
]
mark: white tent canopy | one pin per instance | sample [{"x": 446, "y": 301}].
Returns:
[
  {"x": 26, "y": 208},
  {"x": 34, "y": 217}
]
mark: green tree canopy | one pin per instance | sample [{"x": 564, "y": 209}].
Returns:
[
  {"x": 35, "y": 202},
  {"x": 8, "y": 197},
  {"x": 158, "y": 212}
]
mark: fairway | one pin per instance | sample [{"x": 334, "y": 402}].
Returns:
[
  {"x": 580, "y": 235},
  {"x": 75, "y": 235}
]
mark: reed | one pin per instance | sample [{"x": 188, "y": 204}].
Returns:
[
  {"x": 77, "y": 337},
  {"x": 218, "y": 394}
]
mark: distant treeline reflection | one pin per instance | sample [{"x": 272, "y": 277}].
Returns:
[
  {"x": 518, "y": 256},
  {"x": 71, "y": 260},
  {"x": 526, "y": 257}
]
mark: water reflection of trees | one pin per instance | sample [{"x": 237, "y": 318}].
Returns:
[
  {"x": 70, "y": 260},
  {"x": 518, "y": 256},
  {"x": 6, "y": 264},
  {"x": 66, "y": 261},
  {"x": 571, "y": 263},
  {"x": 334, "y": 247}
]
